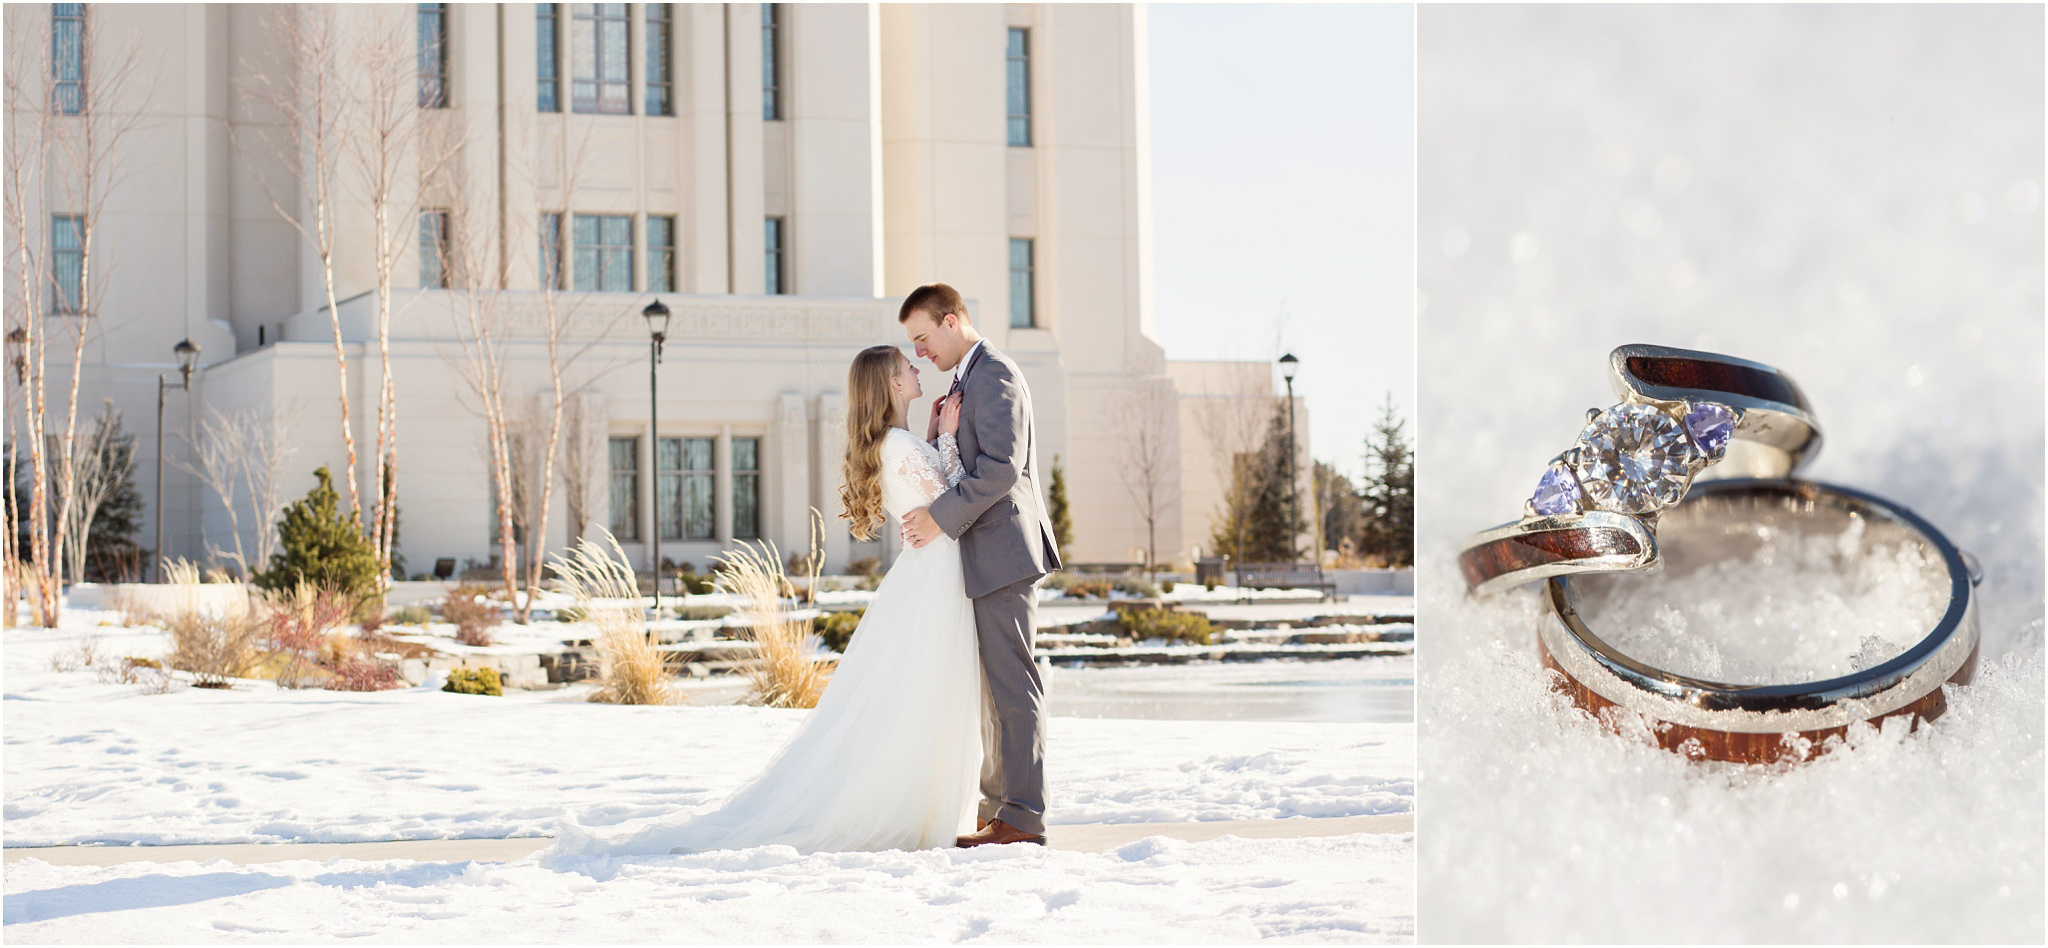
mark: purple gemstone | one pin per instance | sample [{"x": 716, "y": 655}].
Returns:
[
  {"x": 1557, "y": 493},
  {"x": 1710, "y": 424}
]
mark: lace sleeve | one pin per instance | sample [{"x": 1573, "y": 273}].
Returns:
[
  {"x": 949, "y": 455},
  {"x": 917, "y": 468}
]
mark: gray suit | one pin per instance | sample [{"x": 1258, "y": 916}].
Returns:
[{"x": 1006, "y": 547}]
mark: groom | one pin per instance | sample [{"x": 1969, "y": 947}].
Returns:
[{"x": 1006, "y": 547}]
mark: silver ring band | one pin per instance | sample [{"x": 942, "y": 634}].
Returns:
[{"x": 1751, "y": 723}]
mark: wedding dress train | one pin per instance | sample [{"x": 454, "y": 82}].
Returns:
[{"x": 890, "y": 757}]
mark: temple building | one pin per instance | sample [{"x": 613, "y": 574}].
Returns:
[{"x": 776, "y": 175}]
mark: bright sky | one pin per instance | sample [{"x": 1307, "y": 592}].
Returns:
[{"x": 1283, "y": 195}]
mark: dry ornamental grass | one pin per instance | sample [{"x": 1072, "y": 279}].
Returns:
[
  {"x": 631, "y": 666},
  {"x": 213, "y": 648},
  {"x": 786, "y": 675}
]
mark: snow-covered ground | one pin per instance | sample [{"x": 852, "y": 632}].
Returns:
[
  {"x": 1343, "y": 889},
  {"x": 1852, "y": 195},
  {"x": 88, "y": 762}
]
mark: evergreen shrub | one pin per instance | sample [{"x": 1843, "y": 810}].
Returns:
[
  {"x": 474, "y": 681},
  {"x": 322, "y": 547}
]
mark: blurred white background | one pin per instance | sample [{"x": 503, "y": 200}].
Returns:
[{"x": 1852, "y": 194}]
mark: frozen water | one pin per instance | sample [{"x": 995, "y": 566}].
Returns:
[{"x": 1851, "y": 195}]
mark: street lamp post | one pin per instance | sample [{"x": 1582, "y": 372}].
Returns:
[
  {"x": 1288, "y": 366},
  {"x": 188, "y": 354},
  {"x": 657, "y": 333}
]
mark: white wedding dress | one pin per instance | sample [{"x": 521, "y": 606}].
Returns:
[{"x": 890, "y": 757}]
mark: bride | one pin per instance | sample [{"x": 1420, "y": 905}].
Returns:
[{"x": 889, "y": 758}]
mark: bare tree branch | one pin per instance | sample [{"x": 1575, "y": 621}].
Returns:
[
  {"x": 73, "y": 160},
  {"x": 29, "y": 115},
  {"x": 242, "y": 455},
  {"x": 1147, "y": 428},
  {"x": 306, "y": 88}
]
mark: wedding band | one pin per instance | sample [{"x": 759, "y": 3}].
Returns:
[
  {"x": 1766, "y": 723},
  {"x": 1684, "y": 416}
]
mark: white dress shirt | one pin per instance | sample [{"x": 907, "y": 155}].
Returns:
[{"x": 960, "y": 369}]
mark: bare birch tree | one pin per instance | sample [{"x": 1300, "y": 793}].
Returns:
[
  {"x": 390, "y": 130},
  {"x": 27, "y": 160},
  {"x": 306, "y": 88},
  {"x": 1232, "y": 416},
  {"x": 10, "y": 538},
  {"x": 396, "y": 160},
  {"x": 93, "y": 477},
  {"x": 268, "y": 451},
  {"x": 558, "y": 313},
  {"x": 1147, "y": 425},
  {"x": 242, "y": 454},
  {"x": 216, "y": 460},
  {"x": 480, "y": 358},
  {"x": 583, "y": 461},
  {"x": 69, "y": 135}
]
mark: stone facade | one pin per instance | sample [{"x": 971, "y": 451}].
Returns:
[{"x": 889, "y": 163}]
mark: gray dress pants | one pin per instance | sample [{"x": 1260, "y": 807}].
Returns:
[{"x": 1013, "y": 725}]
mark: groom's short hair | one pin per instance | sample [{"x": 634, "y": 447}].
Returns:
[{"x": 934, "y": 300}]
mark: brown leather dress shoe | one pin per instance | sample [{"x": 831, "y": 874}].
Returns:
[{"x": 996, "y": 833}]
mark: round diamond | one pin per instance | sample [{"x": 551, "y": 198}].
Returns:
[
  {"x": 1711, "y": 425},
  {"x": 1634, "y": 459},
  {"x": 1557, "y": 493}
]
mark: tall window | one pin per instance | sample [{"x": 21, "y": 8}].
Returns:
[
  {"x": 1021, "y": 314},
  {"x": 551, "y": 275},
  {"x": 746, "y": 488},
  {"x": 771, "y": 61},
  {"x": 433, "y": 250},
  {"x": 661, "y": 254},
  {"x": 1020, "y": 86},
  {"x": 604, "y": 252},
  {"x": 433, "y": 55},
  {"x": 625, "y": 483},
  {"x": 660, "y": 90},
  {"x": 778, "y": 271},
  {"x": 67, "y": 261},
  {"x": 67, "y": 58},
  {"x": 598, "y": 53},
  {"x": 687, "y": 478},
  {"x": 547, "y": 69}
]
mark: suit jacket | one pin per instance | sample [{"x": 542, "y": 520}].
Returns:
[{"x": 995, "y": 511}]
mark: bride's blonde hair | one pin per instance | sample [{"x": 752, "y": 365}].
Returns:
[{"x": 869, "y": 414}]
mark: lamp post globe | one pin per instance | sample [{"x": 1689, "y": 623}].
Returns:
[
  {"x": 656, "y": 315},
  {"x": 187, "y": 352}
]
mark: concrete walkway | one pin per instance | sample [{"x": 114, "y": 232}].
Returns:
[{"x": 1093, "y": 837}]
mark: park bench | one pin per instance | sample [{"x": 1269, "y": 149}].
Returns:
[{"x": 1286, "y": 576}]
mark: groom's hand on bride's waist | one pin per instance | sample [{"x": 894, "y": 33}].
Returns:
[{"x": 919, "y": 528}]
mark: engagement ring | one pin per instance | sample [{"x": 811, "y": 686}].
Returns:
[{"x": 1682, "y": 415}]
